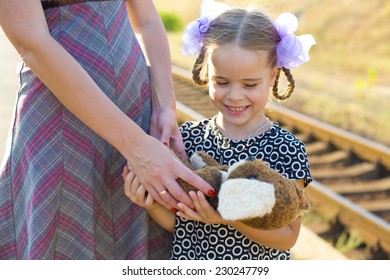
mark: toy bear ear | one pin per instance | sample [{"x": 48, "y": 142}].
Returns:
[
  {"x": 241, "y": 199},
  {"x": 235, "y": 166},
  {"x": 197, "y": 161}
]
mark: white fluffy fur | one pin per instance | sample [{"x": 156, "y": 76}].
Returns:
[
  {"x": 235, "y": 165},
  {"x": 197, "y": 161},
  {"x": 244, "y": 198}
]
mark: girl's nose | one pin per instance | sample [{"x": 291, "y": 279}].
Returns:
[{"x": 235, "y": 93}]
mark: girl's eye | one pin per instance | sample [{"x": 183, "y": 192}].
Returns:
[
  {"x": 221, "y": 83},
  {"x": 250, "y": 85}
]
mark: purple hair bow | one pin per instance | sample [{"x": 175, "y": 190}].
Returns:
[
  {"x": 292, "y": 51},
  {"x": 195, "y": 30}
]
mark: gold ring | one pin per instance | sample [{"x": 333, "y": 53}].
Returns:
[{"x": 162, "y": 193}]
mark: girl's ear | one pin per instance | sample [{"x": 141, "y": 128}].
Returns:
[{"x": 274, "y": 72}]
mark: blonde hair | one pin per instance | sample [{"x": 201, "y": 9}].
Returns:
[{"x": 250, "y": 29}]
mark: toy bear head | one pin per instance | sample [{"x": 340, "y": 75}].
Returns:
[{"x": 251, "y": 192}]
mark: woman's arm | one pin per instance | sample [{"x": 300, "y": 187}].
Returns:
[
  {"x": 151, "y": 34},
  {"x": 63, "y": 75},
  {"x": 155, "y": 164}
]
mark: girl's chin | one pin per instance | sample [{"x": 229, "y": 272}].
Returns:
[{"x": 236, "y": 119}]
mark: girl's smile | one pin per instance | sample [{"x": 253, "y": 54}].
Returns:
[{"x": 236, "y": 109}]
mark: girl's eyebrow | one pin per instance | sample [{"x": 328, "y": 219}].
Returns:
[
  {"x": 246, "y": 80},
  {"x": 217, "y": 77},
  {"x": 253, "y": 79}
]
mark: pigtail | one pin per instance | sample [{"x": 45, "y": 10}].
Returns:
[
  {"x": 197, "y": 68},
  {"x": 290, "y": 84}
]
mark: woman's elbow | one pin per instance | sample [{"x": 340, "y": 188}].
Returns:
[{"x": 31, "y": 44}]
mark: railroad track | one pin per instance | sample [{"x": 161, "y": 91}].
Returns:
[{"x": 352, "y": 175}]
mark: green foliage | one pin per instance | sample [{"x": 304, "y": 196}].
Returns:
[
  {"x": 172, "y": 22},
  {"x": 347, "y": 242},
  {"x": 312, "y": 217},
  {"x": 361, "y": 85}
]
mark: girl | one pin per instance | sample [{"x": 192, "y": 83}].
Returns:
[
  {"x": 242, "y": 53},
  {"x": 89, "y": 96}
]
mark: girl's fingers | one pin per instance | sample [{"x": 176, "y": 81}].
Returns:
[
  {"x": 127, "y": 185},
  {"x": 197, "y": 201},
  {"x": 149, "y": 200},
  {"x": 125, "y": 172},
  {"x": 206, "y": 211},
  {"x": 202, "y": 201},
  {"x": 135, "y": 184},
  {"x": 187, "y": 213}
]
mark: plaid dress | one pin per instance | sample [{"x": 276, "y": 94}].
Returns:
[{"x": 61, "y": 190}]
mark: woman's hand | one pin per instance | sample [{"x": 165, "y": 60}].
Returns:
[{"x": 158, "y": 168}]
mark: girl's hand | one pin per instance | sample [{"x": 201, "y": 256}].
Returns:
[
  {"x": 136, "y": 192},
  {"x": 203, "y": 212}
]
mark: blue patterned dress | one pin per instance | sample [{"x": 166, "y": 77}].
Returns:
[{"x": 61, "y": 190}]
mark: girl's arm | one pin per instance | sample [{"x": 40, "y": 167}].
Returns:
[
  {"x": 283, "y": 238},
  {"x": 138, "y": 195},
  {"x": 155, "y": 165},
  {"x": 163, "y": 217}
]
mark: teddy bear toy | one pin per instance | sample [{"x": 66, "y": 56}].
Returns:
[{"x": 249, "y": 191}]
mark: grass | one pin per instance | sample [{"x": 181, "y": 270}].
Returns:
[
  {"x": 346, "y": 82},
  {"x": 345, "y": 243},
  {"x": 348, "y": 242}
]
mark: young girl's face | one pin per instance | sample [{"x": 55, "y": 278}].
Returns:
[{"x": 239, "y": 83}]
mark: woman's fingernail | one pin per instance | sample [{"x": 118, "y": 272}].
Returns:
[
  {"x": 211, "y": 193},
  {"x": 165, "y": 143},
  {"x": 174, "y": 210}
]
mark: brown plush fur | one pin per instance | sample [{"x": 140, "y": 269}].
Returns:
[
  {"x": 291, "y": 201},
  {"x": 211, "y": 172}
]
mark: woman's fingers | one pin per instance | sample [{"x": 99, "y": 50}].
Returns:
[
  {"x": 190, "y": 177},
  {"x": 174, "y": 194}
]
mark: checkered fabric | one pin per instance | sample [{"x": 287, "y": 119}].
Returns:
[{"x": 61, "y": 190}]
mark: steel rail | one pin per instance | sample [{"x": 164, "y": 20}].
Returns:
[{"x": 363, "y": 148}]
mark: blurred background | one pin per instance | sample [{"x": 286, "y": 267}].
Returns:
[
  {"x": 8, "y": 86},
  {"x": 347, "y": 81}
]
